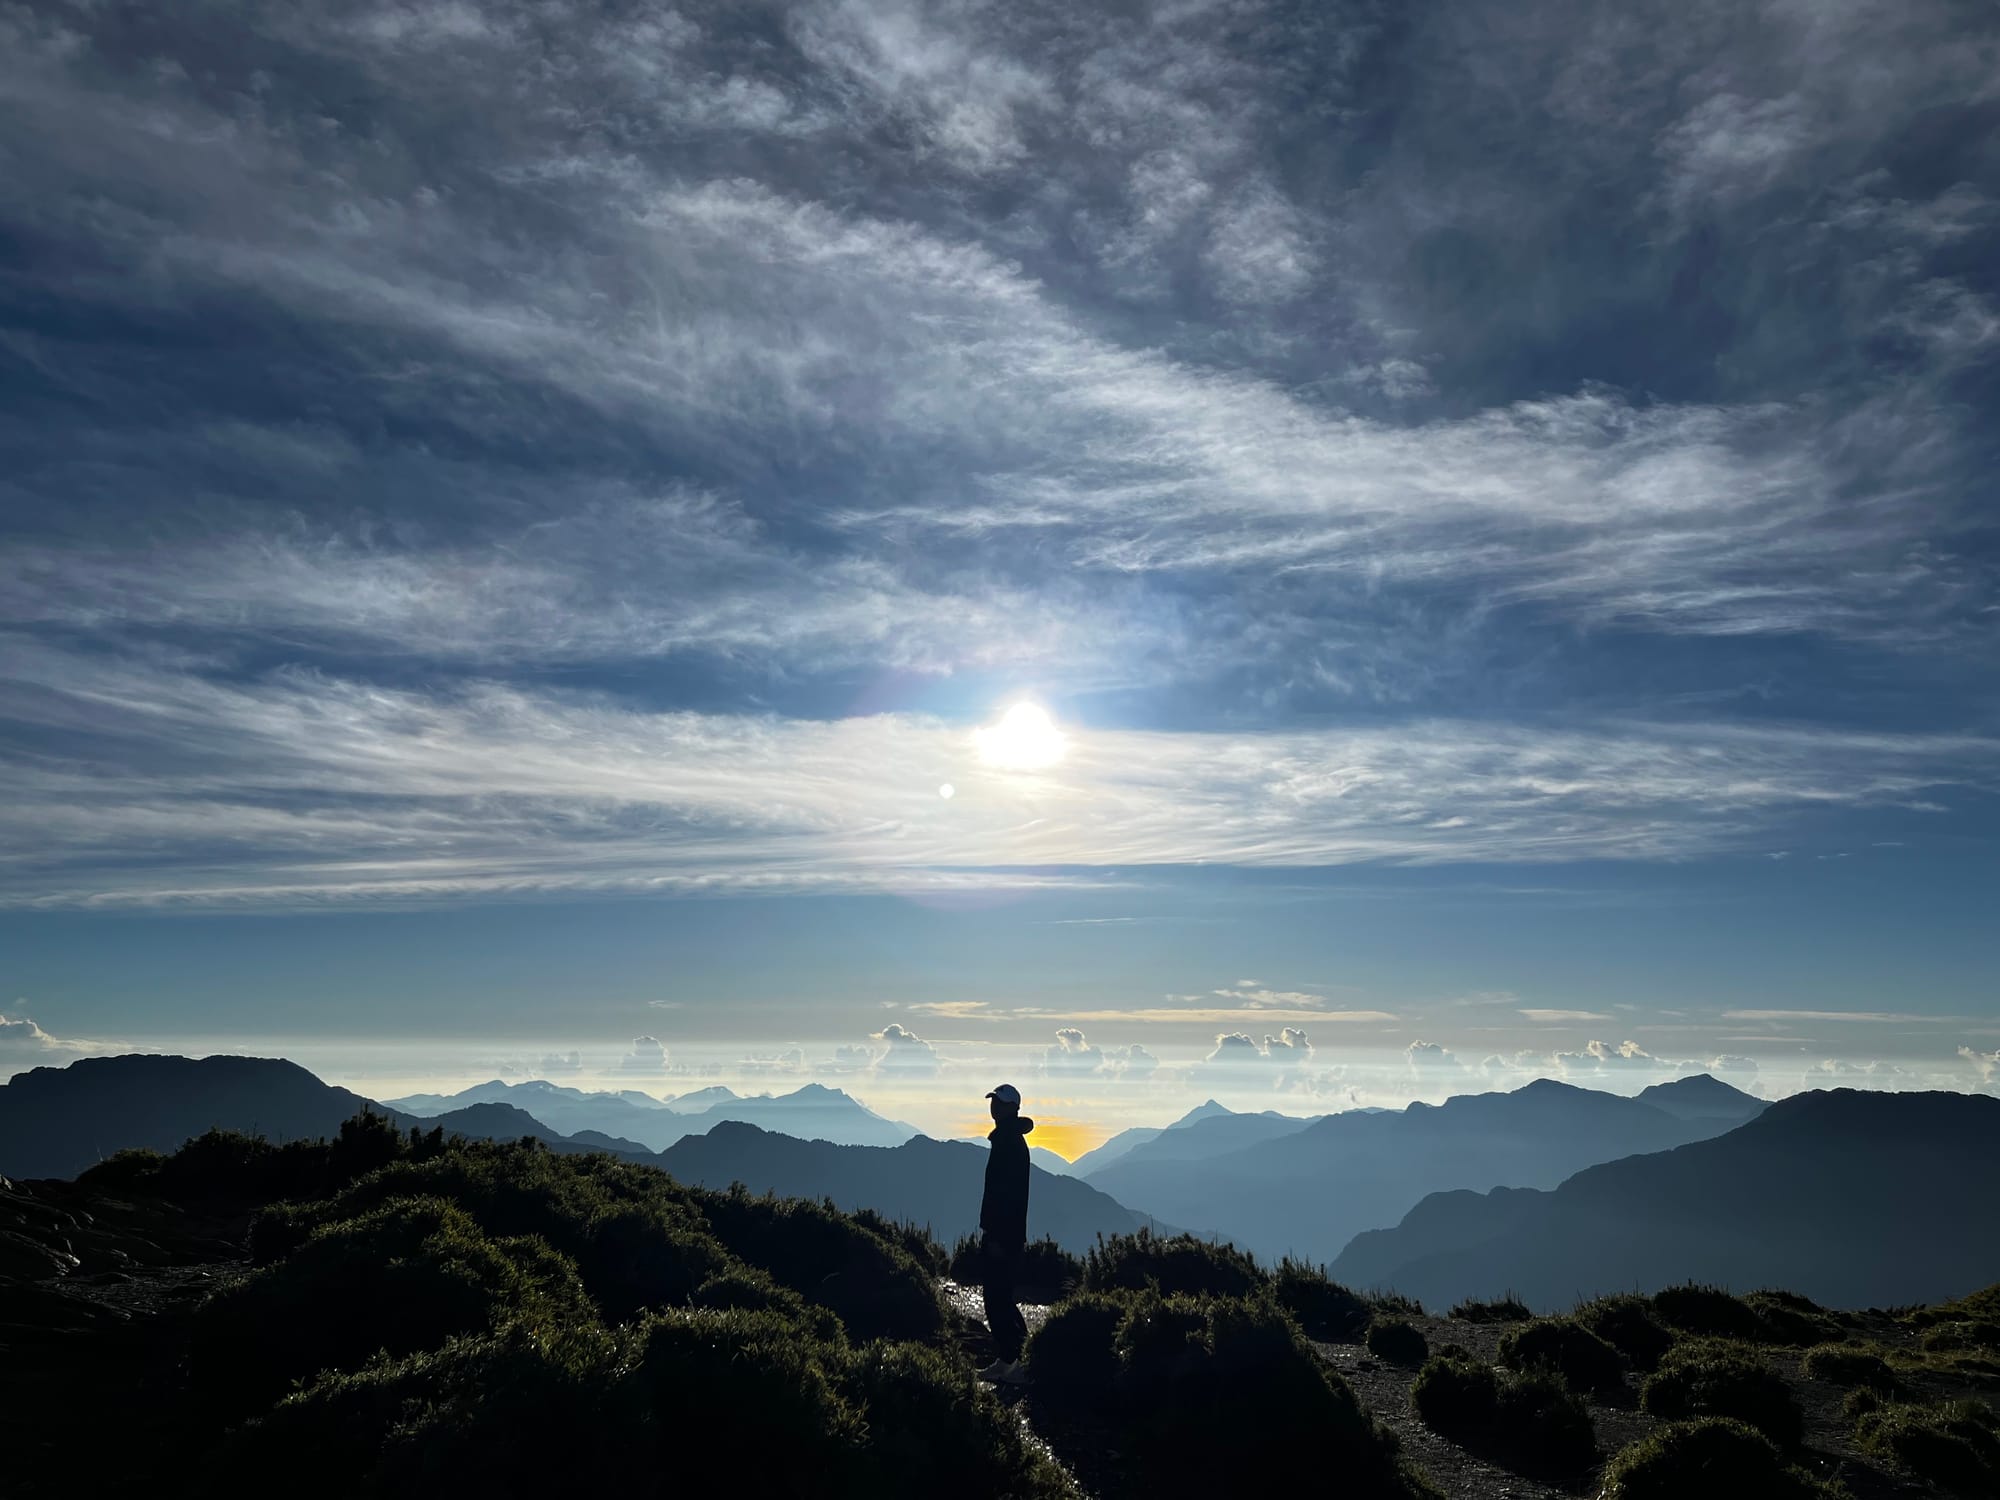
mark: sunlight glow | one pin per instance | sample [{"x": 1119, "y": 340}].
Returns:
[{"x": 1025, "y": 739}]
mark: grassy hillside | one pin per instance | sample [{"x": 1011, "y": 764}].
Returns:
[{"x": 401, "y": 1314}]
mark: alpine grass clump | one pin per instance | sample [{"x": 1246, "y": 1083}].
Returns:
[
  {"x": 1567, "y": 1350},
  {"x": 1527, "y": 1423},
  {"x": 1628, "y": 1325},
  {"x": 1707, "y": 1310},
  {"x": 1788, "y": 1318},
  {"x": 1953, "y": 1444},
  {"x": 1398, "y": 1341},
  {"x": 1848, "y": 1365},
  {"x": 1715, "y": 1458},
  {"x": 1322, "y": 1307},
  {"x": 1507, "y": 1309},
  {"x": 1715, "y": 1378}
]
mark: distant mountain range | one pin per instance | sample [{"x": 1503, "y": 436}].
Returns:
[
  {"x": 1209, "y": 1129},
  {"x": 1853, "y": 1199},
  {"x": 1309, "y": 1190},
  {"x": 810, "y": 1113},
  {"x": 54, "y": 1122},
  {"x": 921, "y": 1181}
]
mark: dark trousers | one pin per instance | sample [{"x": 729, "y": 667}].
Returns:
[{"x": 1001, "y": 1269}]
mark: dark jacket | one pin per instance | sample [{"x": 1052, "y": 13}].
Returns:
[{"x": 1003, "y": 1212}]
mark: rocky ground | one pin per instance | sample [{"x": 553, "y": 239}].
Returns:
[{"x": 1384, "y": 1389}]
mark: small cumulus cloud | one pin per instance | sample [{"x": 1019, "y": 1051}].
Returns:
[
  {"x": 1985, "y": 1064},
  {"x": 561, "y": 1062},
  {"x": 905, "y": 1054},
  {"x": 1072, "y": 1056},
  {"x": 648, "y": 1055},
  {"x": 791, "y": 1062}
]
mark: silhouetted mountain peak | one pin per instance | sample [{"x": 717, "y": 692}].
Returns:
[{"x": 1207, "y": 1109}]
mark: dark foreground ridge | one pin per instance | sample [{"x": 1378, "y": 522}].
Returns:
[{"x": 400, "y": 1313}]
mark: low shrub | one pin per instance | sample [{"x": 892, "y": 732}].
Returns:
[
  {"x": 1531, "y": 1424},
  {"x": 1707, "y": 1310},
  {"x": 1716, "y": 1378},
  {"x": 1457, "y": 1397},
  {"x": 1048, "y": 1272},
  {"x": 1398, "y": 1341},
  {"x": 1567, "y": 1350},
  {"x": 1860, "y": 1401},
  {"x": 1788, "y": 1318},
  {"x": 1170, "y": 1263},
  {"x": 1322, "y": 1307},
  {"x": 1955, "y": 1444},
  {"x": 1395, "y": 1305},
  {"x": 1952, "y": 1337},
  {"x": 750, "y": 1290},
  {"x": 1547, "y": 1429},
  {"x": 1154, "y": 1372},
  {"x": 404, "y": 1277},
  {"x": 1074, "y": 1354},
  {"x": 1628, "y": 1325},
  {"x": 877, "y": 1289},
  {"x": 1714, "y": 1458},
  {"x": 1848, "y": 1364},
  {"x": 932, "y": 1430},
  {"x": 914, "y": 1240},
  {"x": 1508, "y": 1309},
  {"x": 1982, "y": 1306},
  {"x": 1197, "y": 1367}
]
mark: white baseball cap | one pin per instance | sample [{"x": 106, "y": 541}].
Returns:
[{"x": 1007, "y": 1094}]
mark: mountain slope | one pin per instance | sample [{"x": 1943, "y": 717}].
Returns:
[
  {"x": 54, "y": 1122},
  {"x": 921, "y": 1181},
  {"x": 1851, "y": 1198},
  {"x": 1216, "y": 1135},
  {"x": 1125, "y": 1141},
  {"x": 1310, "y": 1191}
]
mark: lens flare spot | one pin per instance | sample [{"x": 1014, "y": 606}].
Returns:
[{"x": 947, "y": 791}]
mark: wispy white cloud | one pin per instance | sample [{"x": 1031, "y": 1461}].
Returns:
[{"x": 298, "y": 783}]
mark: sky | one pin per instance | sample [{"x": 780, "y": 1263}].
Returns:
[{"x": 1317, "y": 554}]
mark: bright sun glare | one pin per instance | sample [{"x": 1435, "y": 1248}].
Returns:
[{"x": 1025, "y": 739}]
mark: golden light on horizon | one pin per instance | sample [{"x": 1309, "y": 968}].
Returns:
[
  {"x": 1068, "y": 1138},
  {"x": 1024, "y": 739}
]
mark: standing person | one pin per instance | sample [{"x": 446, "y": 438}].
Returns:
[{"x": 1003, "y": 1228}]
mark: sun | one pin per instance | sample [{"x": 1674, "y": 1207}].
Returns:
[{"x": 1024, "y": 739}]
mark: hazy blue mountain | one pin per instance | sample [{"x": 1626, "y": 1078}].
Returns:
[
  {"x": 1703, "y": 1098},
  {"x": 699, "y": 1099},
  {"x": 1853, "y": 1199},
  {"x": 565, "y": 1110},
  {"x": 1216, "y": 1134},
  {"x": 54, "y": 1122},
  {"x": 508, "y": 1122},
  {"x": 1049, "y": 1162},
  {"x": 920, "y": 1181},
  {"x": 811, "y": 1113},
  {"x": 1125, "y": 1141},
  {"x": 1310, "y": 1191}
]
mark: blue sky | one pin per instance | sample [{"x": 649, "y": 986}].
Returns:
[{"x": 513, "y": 513}]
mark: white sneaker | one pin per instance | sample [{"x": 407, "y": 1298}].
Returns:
[{"x": 1010, "y": 1374}]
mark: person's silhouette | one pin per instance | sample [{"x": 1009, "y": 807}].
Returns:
[{"x": 1003, "y": 1229}]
